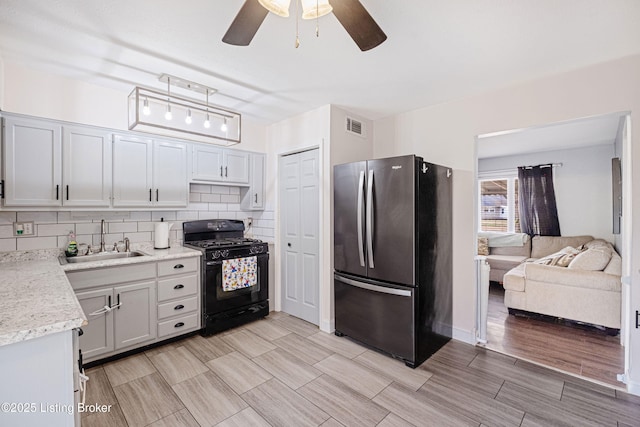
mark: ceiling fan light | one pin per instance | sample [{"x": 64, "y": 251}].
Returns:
[
  {"x": 312, "y": 9},
  {"x": 279, "y": 7}
]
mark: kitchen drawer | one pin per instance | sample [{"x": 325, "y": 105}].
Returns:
[
  {"x": 82, "y": 279},
  {"x": 177, "y": 287},
  {"x": 178, "y": 266},
  {"x": 178, "y": 307},
  {"x": 177, "y": 326}
]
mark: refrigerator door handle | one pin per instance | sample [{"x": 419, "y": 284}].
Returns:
[
  {"x": 370, "y": 219},
  {"x": 375, "y": 288},
  {"x": 360, "y": 206}
]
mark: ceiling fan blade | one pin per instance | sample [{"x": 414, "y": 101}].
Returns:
[
  {"x": 358, "y": 23},
  {"x": 246, "y": 24}
]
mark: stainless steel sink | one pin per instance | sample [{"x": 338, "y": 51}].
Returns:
[{"x": 102, "y": 256}]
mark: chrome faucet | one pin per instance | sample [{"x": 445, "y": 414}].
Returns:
[
  {"x": 127, "y": 247},
  {"x": 103, "y": 231}
]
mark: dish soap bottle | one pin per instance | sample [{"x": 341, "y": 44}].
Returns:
[{"x": 72, "y": 246}]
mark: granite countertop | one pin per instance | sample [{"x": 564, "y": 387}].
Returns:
[{"x": 36, "y": 298}]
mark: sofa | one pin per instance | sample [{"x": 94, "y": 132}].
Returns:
[
  {"x": 575, "y": 278},
  {"x": 505, "y": 251}
]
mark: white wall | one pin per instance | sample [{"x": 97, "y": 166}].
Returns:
[
  {"x": 1, "y": 84},
  {"x": 35, "y": 93},
  {"x": 582, "y": 186},
  {"x": 445, "y": 134}
]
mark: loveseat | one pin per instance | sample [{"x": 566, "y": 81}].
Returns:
[{"x": 575, "y": 278}]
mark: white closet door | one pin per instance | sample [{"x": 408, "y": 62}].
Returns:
[{"x": 300, "y": 210}]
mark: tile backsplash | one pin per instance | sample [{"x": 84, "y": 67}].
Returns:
[{"x": 205, "y": 202}]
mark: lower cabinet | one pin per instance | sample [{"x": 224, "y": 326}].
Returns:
[
  {"x": 178, "y": 297},
  {"x": 135, "y": 305}
]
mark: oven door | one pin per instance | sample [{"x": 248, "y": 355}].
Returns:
[{"x": 235, "y": 282}]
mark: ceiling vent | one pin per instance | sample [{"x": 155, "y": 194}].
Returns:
[{"x": 355, "y": 127}]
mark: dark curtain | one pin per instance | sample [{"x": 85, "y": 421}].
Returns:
[{"x": 537, "y": 201}]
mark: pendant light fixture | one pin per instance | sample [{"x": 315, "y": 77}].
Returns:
[
  {"x": 145, "y": 109},
  {"x": 207, "y": 121},
  {"x": 167, "y": 114},
  {"x": 184, "y": 117}
]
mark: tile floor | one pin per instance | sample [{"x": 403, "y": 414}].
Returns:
[{"x": 283, "y": 371}]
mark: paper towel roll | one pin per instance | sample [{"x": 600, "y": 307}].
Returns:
[{"x": 161, "y": 233}]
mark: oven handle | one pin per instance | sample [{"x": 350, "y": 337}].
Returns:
[{"x": 259, "y": 256}]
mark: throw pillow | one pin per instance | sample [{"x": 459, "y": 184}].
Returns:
[
  {"x": 483, "y": 246},
  {"x": 596, "y": 243},
  {"x": 562, "y": 258},
  {"x": 593, "y": 259}
]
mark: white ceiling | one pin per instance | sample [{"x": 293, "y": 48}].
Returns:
[
  {"x": 436, "y": 50},
  {"x": 584, "y": 132}
]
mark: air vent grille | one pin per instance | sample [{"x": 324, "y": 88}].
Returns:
[{"x": 355, "y": 126}]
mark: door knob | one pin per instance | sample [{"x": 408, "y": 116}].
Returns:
[{"x": 289, "y": 244}]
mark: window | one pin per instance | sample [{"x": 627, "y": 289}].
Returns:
[{"x": 499, "y": 204}]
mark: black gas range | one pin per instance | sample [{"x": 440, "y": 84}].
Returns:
[{"x": 235, "y": 273}]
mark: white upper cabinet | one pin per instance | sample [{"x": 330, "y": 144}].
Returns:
[
  {"x": 170, "y": 174},
  {"x": 253, "y": 196},
  {"x": 132, "y": 174},
  {"x": 86, "y": 167},
  {"x": 47, "y": 164},
  {"x": 219, "y": 165},
  {"x": 149, "y": 173},
  {"x": 236, "y": 167},
  {"x": 207, "y": 163},
  {"x": 32, "y": 162}
]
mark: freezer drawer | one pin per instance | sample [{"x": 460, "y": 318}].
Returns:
[{"x": 378, "y": 316}]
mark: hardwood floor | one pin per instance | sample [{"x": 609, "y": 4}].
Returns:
[
  {"x": 282, "y": 371},
  {"x": 577, "y": 349}
]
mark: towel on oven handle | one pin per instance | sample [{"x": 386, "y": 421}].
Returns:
[{"x": 238, "y": 273}]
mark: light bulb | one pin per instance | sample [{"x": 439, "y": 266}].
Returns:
[
  {"x": 224, "y": 126},
  {"x": 145, "y": 108},
  {"x": 207, "y": 123},
  {"x": 168, "y": 114},
  {"x": 188, "y": 119}
]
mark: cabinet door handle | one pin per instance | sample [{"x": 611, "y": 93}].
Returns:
[
  {"x": 225, "y": 172},
  {"x": 57, "y": 192},
  {"x": 178, "y": 286},
  {"x": 178, "y": 307},
  {"x": 67, "y": 191},
  {"x": 150, "y": 194},
  {"x": 178, "y": 266},
  {"x": 157, "y": 194},
  {"x": 256, "y": 197},
  {"x": 179, "y": 325},
  {"x": 220, "y": 170}
]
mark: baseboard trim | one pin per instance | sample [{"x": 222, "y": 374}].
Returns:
[
  {"x": 327, "y": 326},
  {"x": 633, "y": 387},
  {"x": 464, "y": 336}
]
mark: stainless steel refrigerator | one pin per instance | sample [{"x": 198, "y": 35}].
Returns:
[{"x": 392, "y": 255}]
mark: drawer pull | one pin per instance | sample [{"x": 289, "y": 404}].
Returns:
[
  {"x": 178, "y": 286},
  {"x": 178, "y": 307},
  {"x": 178, "y": 266},
  {"x": 179, "y": 325}
]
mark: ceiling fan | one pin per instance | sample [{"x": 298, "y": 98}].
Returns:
[{"x": 350, "y": 13}]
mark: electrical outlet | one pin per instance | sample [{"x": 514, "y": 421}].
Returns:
[
  {"x": 249, "y": 222},
  {"x": 23, "y": 228}
]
